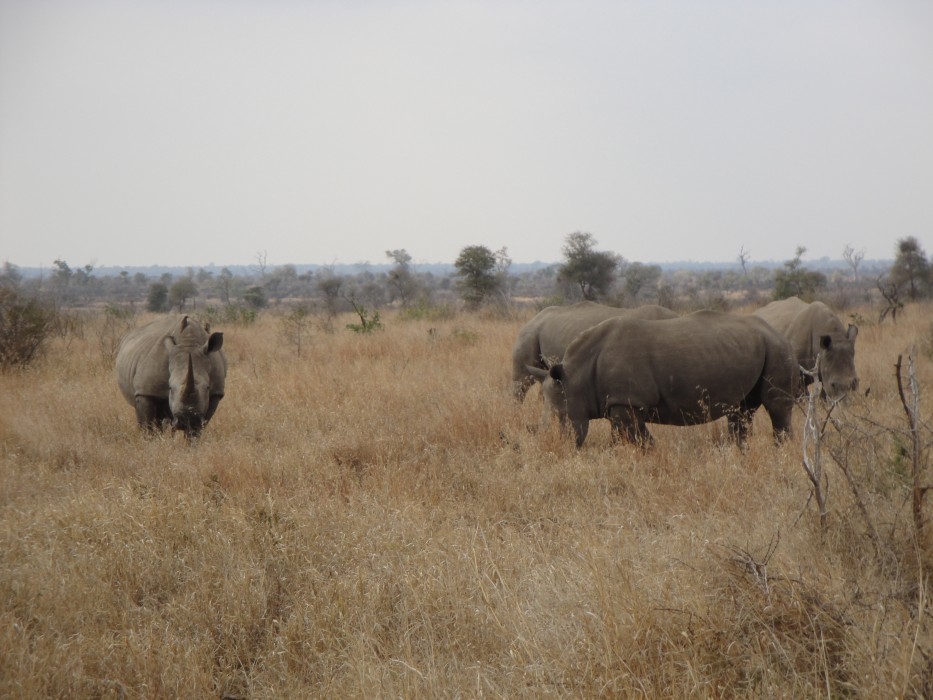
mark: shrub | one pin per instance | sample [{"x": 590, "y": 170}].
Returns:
[{"x": 25, "y": 324}]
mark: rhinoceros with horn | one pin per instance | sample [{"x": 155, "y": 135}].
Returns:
[
  {"x": 543, "y": 340},
  {"x": 172, "y": 369},
  {"x": 819, "y": 341},
  {"x": 681, "y": 371}
]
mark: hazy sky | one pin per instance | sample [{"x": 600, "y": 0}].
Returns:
[{"x": 192, "y": 132}]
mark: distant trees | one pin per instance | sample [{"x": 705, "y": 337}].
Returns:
[
  {"x": 476, "y": 270},
  {"x": 796, "y": 280},
  {"x": 591, "y": 271}
]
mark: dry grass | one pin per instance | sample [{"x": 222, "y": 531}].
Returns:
[{"x": 374, "y": 519}]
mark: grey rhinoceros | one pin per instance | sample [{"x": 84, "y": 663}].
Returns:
[
  {"x": 543, "y": 340},
  {"x": 819, "y": 341},
  {"x": 172, "y": 369},
  {"x": 681, "y": 371}
]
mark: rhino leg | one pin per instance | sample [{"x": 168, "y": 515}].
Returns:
[
  {"x": 629, "y": 424},
  {"x": 152, "y": 412},
  {"x": 212, "y": 406},
  {"x": 781, "y": 419},
  {"x": 740, "y": 423}
]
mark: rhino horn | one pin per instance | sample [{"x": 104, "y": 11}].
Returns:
[{"x": 188, "y": 394}]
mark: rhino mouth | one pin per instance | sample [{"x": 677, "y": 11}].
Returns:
[{"x": 191, "y": 423}]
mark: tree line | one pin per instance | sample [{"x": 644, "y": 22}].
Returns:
[{"x": 483, "y": 277}]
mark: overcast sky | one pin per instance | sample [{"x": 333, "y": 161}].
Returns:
[{"x": 193, "y": 132}]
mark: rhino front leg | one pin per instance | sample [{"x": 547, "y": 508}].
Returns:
[
  {"x": 212, "y": 406},
  {"x": 152, "y": 412}
]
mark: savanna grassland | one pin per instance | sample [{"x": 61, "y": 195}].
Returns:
[{"x": 373, "y": 517}]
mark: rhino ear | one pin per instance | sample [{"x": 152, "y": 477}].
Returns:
[
  {"x": 825, "y": 342},
  {"x": 184, "y": 322},
  {"x": 215, "y": 342},
  {"x": 852, "y": 333},
  {"x": 557, "y": 372}
]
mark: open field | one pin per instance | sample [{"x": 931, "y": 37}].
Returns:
[{"x": 373, "y": 518}]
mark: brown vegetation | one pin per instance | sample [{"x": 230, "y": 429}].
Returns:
[{"x": 373, "y": 518}]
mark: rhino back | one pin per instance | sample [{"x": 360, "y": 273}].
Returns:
[{"x": 550, "y": 332}]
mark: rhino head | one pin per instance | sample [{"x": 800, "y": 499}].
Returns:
[
  {"x": 836, "y": 364},
  {"x": 568, "y": 409},
  {"x": 189, "y": 379}
]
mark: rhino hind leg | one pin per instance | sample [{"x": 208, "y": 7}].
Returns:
[
  {"x": 629, "y": 424},
  {"x": 152, "y": 413},
  {"x": 740, "y": 424}
]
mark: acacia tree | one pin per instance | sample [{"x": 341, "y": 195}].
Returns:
[
  {"x": 592, "y": 271},
  {"x": 476, "y": 268},
  {"x": 911, "y": 268}
]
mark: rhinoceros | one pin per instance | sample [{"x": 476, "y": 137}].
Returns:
[
  {"x": 681, "y": 371},
  {"x": 819, "y": 340},
  {"x": 172, "y": 369},
  {"x": 545, "y": 337}
]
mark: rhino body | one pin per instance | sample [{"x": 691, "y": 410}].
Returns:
[
  {"x": 682, "y": 371},
  {"x": 819, "y": 340},
  {"x": 544, "y": 339},
  {"x": 173, "y": 370}
]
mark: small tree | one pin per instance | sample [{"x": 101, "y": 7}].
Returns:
[
  {"x": 255, "y": 297},
  {"x": 329, "y": 286},
  {"x": 591, "y": 271},
  {"x": 911, "y": 268},
  {"x": 401, "y": 283},
  {"x": 181, "y": 291},
  {"x": 639, "y": 276},
  {"x": 157, "y": 299},
  {"x": 296, "y": 325},
  {"x": 853, "y": 259},
  {"x": 367, "y": 324},
  {"x": 744, "y": 257},
  {"x": 476, "y": 268},
  {"x": 796, "y": 280}
]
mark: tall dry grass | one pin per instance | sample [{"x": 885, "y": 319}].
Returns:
[{"x": 373, "y": 518}]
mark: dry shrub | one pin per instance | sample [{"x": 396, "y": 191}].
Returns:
[{"x": 377, "y": 517}]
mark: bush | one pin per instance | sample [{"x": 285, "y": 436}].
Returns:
[{"x": 25, "y": 324}]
